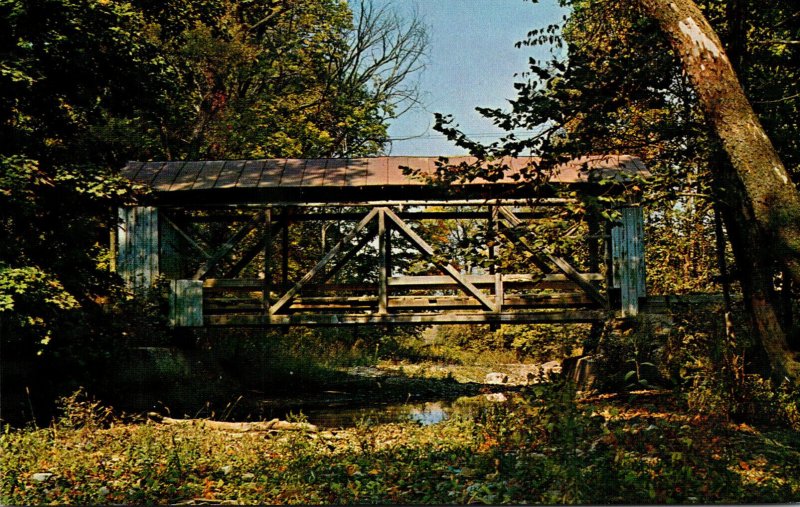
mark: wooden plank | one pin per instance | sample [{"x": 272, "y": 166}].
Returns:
[
  {"x": 266, "y": 288},
  {"x": 405, "y": 302},
  {"x": 417, "y": 215},
  {"x": 123, "y": 244},
  {"x": 499, "y": 292},
  {"x": 424, "y": 247},
  {"x": 186, "y": 303},
  {"x": 138, "y": 262},
  {"x": 628, "y": 259},
  {"x": 285, "y": 246},
  {"x": 444, "y": 281},
  {"x": 567, "y": 316},
  {"x": 322, "y": 263},
  {"x": 383, "y": 289},
  {"x": 429, "y": 282}
]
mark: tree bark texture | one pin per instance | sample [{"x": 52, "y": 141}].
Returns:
[{"x": 761, "y": 204}]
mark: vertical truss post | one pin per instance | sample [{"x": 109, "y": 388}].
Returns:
[
  {"x": 593, "y": 241},
  {"x": 492, "y": 228},
  {"x": 333, "y": 252},
  {"x": 285, "y": 249},
  {"x": 383, "y": 292},
  {"x": 492, "y": 252},
  {"x": 267, "y": 259}
]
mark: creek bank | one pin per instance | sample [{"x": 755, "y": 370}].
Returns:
[{"x": 204, "y": 384}]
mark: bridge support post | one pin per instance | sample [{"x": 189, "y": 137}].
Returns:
[{"x": 627, "y": 255}]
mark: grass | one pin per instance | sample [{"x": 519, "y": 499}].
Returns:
[{"x": 543, "y": 447}]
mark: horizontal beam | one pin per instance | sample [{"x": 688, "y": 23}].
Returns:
[
  {"x": 567, "y": 316},
  {"x": 355, "y": 216},
  {"x": 555, "y": 281},
  {"x": 431, "y": 303},
  {"x": 544, "y": 201},
  {"x": 437, "y": 281},
  {"x": 406, "y": 282}
]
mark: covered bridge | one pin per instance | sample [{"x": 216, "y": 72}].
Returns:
[{"x": 241, "y": 276}]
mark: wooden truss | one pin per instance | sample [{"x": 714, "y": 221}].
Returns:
[{"x": 552, "y": 290}]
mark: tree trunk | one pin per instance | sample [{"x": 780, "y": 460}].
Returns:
[{"x": 761, "y": 203}]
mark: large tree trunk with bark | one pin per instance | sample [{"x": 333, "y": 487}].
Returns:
[{"x": 760, "y": 203}]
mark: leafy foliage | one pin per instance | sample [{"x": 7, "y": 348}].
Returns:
[
  {"x": 546, "y": 448},
  {"x": 88, "y": 84}
]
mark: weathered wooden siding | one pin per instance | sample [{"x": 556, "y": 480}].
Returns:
[
  {"x": 627, "y": 251},
  {"x": 186, "y": 303},
  {"x": 138, "y": 246}
]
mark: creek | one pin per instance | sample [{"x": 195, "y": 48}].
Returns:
[{"x": 423, "y": 413}]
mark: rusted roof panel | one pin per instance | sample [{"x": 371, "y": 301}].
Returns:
[
  {"x": 394, "y": 172},
  {"x": 230, "y": 174},
  {"x": 208, "y": 175},
  {"x": 387, "y": 172},
  {"x": 336, "y": 172},
  {"x": 272, "y": 173},
  {"x": 185, "y": 176},
  {"x": 251, "y": 174},
  {"x": 131, "y": 169},
  {"x": 164, "y": 179},
  {"x": 376, "y": 171},
  {"x": 149, "y": 171},
  {"x": 356, "y": 172},
  {"x": 314, "y": 174},
  {"x": 293, "y": 172}
]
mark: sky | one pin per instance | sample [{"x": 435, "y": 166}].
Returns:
[{"x": 471, "y": 62}]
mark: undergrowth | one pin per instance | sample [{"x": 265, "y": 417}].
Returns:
[{"x": 542, "y": 447}]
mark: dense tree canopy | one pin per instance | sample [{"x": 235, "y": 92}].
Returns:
[
  {"x": 88, "y": 84},
  {"x": 620, "y": 87}
]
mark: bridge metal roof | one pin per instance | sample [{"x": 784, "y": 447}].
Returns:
[{"x": 348, "y": 179}]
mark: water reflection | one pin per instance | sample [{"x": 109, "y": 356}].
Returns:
[{"x": 422, "y": 413}]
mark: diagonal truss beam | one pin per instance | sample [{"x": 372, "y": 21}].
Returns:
[
  {"x": 226, "y": 248},
  {"x": 424, "y": 247},
  {"x": 562, "y": 265},
  {"x": 185, "y": 236},
  {"x": 348, "y": 256},
  {"x": 251, "y": 254},
  {"x": 333, "y": 252}
]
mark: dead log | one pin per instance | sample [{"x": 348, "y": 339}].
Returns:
[{"x": 238, "y": 427}]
